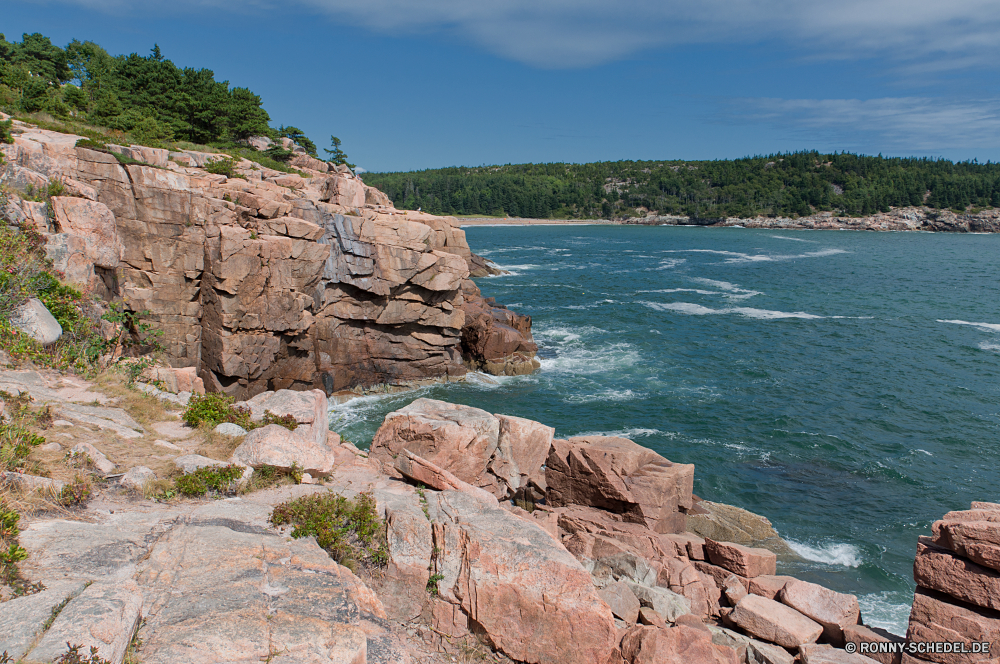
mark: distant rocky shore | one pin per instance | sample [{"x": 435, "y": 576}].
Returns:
[{"x": 897, "y": 219}]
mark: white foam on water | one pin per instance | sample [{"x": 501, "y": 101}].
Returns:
[
  {"x": 681, "y": 290},
  {"x": 793, "y": 239},
  {"x": 670, "y": 263},
  {"x": 630, "y": 433},
  {"x": 983, "y": 326},
  {"x": 361, "y": 409},
  {"x": 923, "y": 452},
  {"x": 738, "y": 257},
  {"x": 985, "y": 345},
  {"x": 732, "y": 291},
  {"x": 692, "y": 309},
  {"x": 832, "y": 553},
  {"x": 887, "y": 610},
  {"x": 605, "y": 395}
]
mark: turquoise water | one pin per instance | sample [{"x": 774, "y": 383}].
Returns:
[{"x": 843, "y": 384}]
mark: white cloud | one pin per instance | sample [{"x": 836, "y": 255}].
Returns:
[
  {"x": 577, "y": 33},
  {"x": 916, "y": 124}
]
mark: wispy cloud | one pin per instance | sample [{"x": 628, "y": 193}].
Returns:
[
  {"x": 916, "y": 124},
  {"x": 579, "y": 33}
]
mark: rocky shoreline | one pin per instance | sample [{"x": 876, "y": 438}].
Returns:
[
  {"x": 897, "y": 219},
  {"x": 503, "y": 544}
]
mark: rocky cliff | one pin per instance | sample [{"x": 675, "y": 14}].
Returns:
[
  {"x": 896, "y": 219},
  {"x": 264, "y": 279}
]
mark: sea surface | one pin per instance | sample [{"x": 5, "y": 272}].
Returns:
[{"x": 846, "y": 385}]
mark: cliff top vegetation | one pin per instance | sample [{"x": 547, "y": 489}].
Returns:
[
  {"x": 145, "y": 100},
  {"x": 789, "y": 185}
]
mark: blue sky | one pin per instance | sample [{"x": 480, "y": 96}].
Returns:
[{"x": 411, "y": 84}]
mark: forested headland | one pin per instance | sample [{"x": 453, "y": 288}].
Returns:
[
  {"x": 141, "y": 99},
  {"x": 785, "y": 185}
]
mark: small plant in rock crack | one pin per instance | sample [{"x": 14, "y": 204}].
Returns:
[
  {"x": 432, "y": 583},
  {"x": 77, "y": 492},
  {"x": 351, "y": 531},
  {"x": 73, "y": 656}
]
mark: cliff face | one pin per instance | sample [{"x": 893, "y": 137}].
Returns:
[{"x": 264, "y": 280}]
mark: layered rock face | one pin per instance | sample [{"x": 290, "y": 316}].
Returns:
[
  {"x": 266, "y": 280},
  {"x": 957, "y": 571}
]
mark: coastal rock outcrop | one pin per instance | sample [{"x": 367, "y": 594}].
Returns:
[
  {"x": 958, "y": 585},
  {"x": 265, "y": 280}
]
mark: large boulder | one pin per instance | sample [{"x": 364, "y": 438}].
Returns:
[
  {"x": 833, "y": 610},
  {"x": 620, "y": 476},
  {"x": 309, "y": 409},
  {"x": 770, "y": 621},
  {"x": 495, "y": 453},
  {"x": 681, "y": 643},
  {"x": 741, "y": 560},
  {"x": 727, "y": 523},
  {"x": 518, "y": 585},
  {"x": 424, "y": 472},
  {"x": 275, "y": 445},
  {"x": 34, "y": 320},
  {"x": 974, "y": 534}
]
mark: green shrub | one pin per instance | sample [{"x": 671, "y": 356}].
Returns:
[
  {"x": 73, "y": 656},
  {"x": 91, "y": 144},
  {"x": 5, "y": 136},
  {"x": 213, "y": 409},
  {"x": 351, "y": 531},
  {"x": 11, "y": 552},
  {"x": 224, "y": 166},
  {"x": 286, "y": 421},
  {"x": 221, "y": 480}
]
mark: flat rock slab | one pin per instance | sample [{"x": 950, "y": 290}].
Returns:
[
  {"x": 622, "y": 601},
  {"x": 105, "y": 616},
  {"x": 934, "y": 617},
  {"x": 666, "y": 602},
  {"x": 770, "y": 621},
  {"x": 111, "y": 419},
  {"x": 225, "y": 589},
  {"x": 23, "y": 619}
]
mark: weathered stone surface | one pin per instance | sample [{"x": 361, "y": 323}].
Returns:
[
  {"x": 176, "y": 380},
  {"x": 23, "y": 619},
  {"x": 93, "y": 222},
  {"x": 759, "y": 652},
  {"x": 767, "y": 585},
  {"x": 682, "y": 577},
  {"x": 940, "y": 569},
  {"x": 833, "y": 610},
  {"x": 459, "y": 439},
  {"x": 621, "y": 600},
  {"x": 858, "y": 634},
  {"x": 230, "y": 429},
  {"x": 726, "y": 523},
  {"x": 822, "y": 654},
  {"x": 105, "y": 616},
  {"x": 424, "y": 472},
  {"x": 665, "y": 602},
  {"x": 648, "y": 616},
  {"x": 532, "y": 598},
  {"x": 31, "y": 482},
  {"x": 720, "y": 574},
  {"x": 742, "y": 560},
  {"x": 620, "y": 476},
  {"x": 408, "y": 531},
  {"x": 979, "y": 541},
  {"x": 111, "y": 419},
  {"x": 137, "y": 478},
  {"x": 770, "y": 621},
  {"x": 34, "y": 320},
  {"x": 734, "y": 590},
  {"x": 652, "y": 645},
  {"x": 522, "y": 447},
  {"x": 274, "y": 445},
  {"x": 94, "y": 456},
  {"x": 934, "y": 617}
]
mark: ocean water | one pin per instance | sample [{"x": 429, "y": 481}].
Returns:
[{"x": 845, "y": 385}]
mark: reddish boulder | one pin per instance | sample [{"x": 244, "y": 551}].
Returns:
[
  {"x": 522, "y": 447},
  {"x": 770, "y": 621},
  {"x": 833, "y": 610},
  {"x": 943, "y": 570},
  {"x": 620, "y": 476},
  {"x": 934, "y": 617},
  {"x": 424, "y": 472},
  {"x": 460, "y": 439},
  {"x": 979, "y": 541},
  {"x": 824, "y": 654},
  {"x": 682, "y": 643},
  {"x": 495, "y": 339},
  {"x": 680, "y": 576},
  {"x": 858, "y": 634},
  {"x": 621, "y": 600},
  {"x": 768, "y": 585},
  {"x": 739, "y": 559}
]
